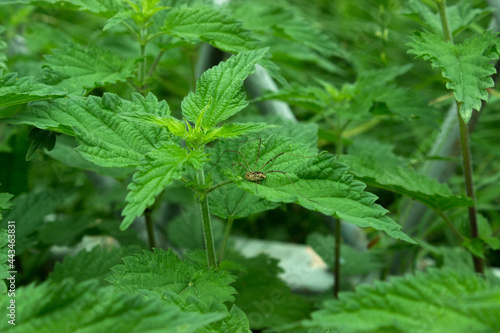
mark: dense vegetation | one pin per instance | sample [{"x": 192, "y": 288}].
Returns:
[{"x": 142, "y": 141}]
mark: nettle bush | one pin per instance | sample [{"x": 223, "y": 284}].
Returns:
[{"x": 126, "y": 123}]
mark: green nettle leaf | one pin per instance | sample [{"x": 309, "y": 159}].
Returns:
[
  {"x": 5, "y": 202},
  {"x": 75, "y": 68},
  {"x": 234, "y": 130},
  {"x": 105, "y": 138},
  {"x": 88, "y": 265},
  {"x": 275, "y": 19},
  {"x": 173, "y": 125},
  {"x": 161, "y": 271},
  {"x": 86, "y": 307},
  {"x": 317, "y": 182},
  {"x": 235, "y": 321},
  {"x": 29, "y": 212},
  {"x": 182, "y": 130},
  {"x": 441, "y": 300},
  {"x": 15, "y": 90},
  {"x": 219, "y": 92},
  {"x": 65, "y": 153},
  {"x": 467, "y": 65},
  {"x": 374, "y": 164},
  {"x": 207, "y": 24},
  {"x": 158, "y": 170},
  {"x": 264, "y": 297}
]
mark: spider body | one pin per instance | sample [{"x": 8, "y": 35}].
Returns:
[{"x": 255, "y": 176}]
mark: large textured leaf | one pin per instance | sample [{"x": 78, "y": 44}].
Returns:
[
  {"x": 104, "y": 137},
  {"x": 65, "y": 153},
  {"x": 219, "y": 93},
  {"x": 230, "y": 201},
  {"x": 440, "y": 301},
  {"x": 467, "y": 65},
  {"x": 15, "y": 90},
  {"x": 158, "y": 170},
  {"x": 203, "y": 23},
  {"x": 161, "y": 270},
  {"x": 85, "y": 307},
  {"x": 75, "y": 68},
  {"x": 315, "y": 182},
  {"x": 373, "y": 163}
]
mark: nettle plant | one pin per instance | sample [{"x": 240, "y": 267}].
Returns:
[{"x": 107, "y": 114}]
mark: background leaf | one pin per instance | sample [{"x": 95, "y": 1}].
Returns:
[
  {"x": 15, "y": 90},
  {"x": 435, "y": 302},
  {"x": 208, "y": 24},
  {"x": 467, "y": 65},
  {"x": 74, "y": 68}
]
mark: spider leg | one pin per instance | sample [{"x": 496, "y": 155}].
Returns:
[
  {"x": 232, "y": 167},
  {"x": 283, "y": 153},
  {"x": 231, "y": 151}
]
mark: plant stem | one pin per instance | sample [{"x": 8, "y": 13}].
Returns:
[
  {"x": 227, "y": 230},
  {"x": 150, "y": 227},
  {"x": 207, "y": 224},
  {"x": 469, "y": 186},
  {"x": 465, "y": 146}
]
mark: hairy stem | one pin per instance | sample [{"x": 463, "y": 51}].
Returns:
[
  {"x": 227, "y": 230},
  {"x": 150, "y": 227},
  {"x": 207, "y": 224},
  {"x": 465, "y": 146}
]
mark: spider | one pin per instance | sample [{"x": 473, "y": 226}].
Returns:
[{"x": 257, "y": 175}]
